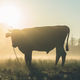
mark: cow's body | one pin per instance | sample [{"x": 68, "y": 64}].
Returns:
[{"x": 41, "y": 39}]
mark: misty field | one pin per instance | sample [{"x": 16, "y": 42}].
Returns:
[{"x": 10, "y": 69}]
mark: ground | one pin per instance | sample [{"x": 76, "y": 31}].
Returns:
[{"x": 40, "y": 70}]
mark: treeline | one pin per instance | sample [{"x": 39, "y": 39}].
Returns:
[{"x": 74, "y": 42}]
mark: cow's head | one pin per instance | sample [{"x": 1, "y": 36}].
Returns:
[{"x": 15, "y": 36}]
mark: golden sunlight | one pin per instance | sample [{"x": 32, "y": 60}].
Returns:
[{"x": 10, "y": 14}]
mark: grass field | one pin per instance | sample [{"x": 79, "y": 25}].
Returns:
[{"x": 10, "y": 69}]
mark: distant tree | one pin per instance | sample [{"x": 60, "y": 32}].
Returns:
[
  {"x": 73, "y": 41},
  {"x": 79, "y": 42}
]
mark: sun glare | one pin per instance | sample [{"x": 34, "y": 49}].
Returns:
[{"x": 10, "y": 14}]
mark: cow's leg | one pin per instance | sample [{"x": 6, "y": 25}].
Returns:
[
  {"x": 57, "y": 59},
  {"x": 60, "y": 52},
  {"x": 57, "y": 55},
  {"x": 63, "y": 57},
  {"x": 28, "y": 58}
]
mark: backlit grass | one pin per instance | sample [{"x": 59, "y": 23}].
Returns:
[{"x": 10, "y": 69}]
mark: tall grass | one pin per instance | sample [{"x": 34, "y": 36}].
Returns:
[{"x": 10, "y": 69}]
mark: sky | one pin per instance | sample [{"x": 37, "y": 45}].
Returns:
[
  {"x": 21, "y": 14},
  {"x": 32, "y": 13}
]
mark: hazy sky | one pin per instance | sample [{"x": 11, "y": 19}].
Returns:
[
  {"x": 30, "y": 13},
  {"x": 47, "y": 12}
]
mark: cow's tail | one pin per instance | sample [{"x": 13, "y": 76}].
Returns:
[{"x": 67, "y": 49}]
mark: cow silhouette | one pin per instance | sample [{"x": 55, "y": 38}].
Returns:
[{"x": 43, "y": 38}]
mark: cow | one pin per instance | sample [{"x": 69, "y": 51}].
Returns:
[{"x": 43, "y": 38}]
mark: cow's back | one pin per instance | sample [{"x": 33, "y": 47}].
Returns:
[{"x": 45, "y": 38}]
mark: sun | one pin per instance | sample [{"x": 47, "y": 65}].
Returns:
[{"x": 10, "y": 14}]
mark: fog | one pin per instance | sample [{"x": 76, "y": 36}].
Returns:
[{"x": 6, "y": 49}]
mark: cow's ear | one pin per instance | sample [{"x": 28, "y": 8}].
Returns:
[{"x": 8, "y": 34}]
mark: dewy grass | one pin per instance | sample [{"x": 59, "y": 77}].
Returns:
[{"x": 9, "y": 68}]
